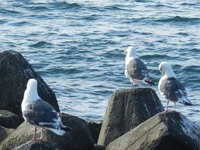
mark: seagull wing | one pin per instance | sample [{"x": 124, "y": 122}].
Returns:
[
  {"x": 173, "y": 90},
  {"x": 41, "y": 113},
  {"x": 136, "y": 69}
]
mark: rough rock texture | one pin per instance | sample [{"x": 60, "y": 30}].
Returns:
[
  {"x": 9, "y": 119},
  {"x": 20, "y": 136},
  {"x": 127, "y": 109},
  {"x": 165, "y": 131},
  {"x": 79, "y": 138},
  {"x": 99, "y": 147},
  {"x": 34, "y": 145},
  {"x": 95, "y": 127},
  {"x": 4, "y": 132},
  {"x": 14, "y": 74}
]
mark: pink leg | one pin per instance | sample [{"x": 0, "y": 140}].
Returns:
[
  {"x": 167, "y": 106},
  {"x": 41, "y": 134},
  {"x": 174, "y": 106},
  {"x": 34, "y": 137}
]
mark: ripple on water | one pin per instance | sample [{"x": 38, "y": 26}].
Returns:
[{"x": 77, "y": 46}]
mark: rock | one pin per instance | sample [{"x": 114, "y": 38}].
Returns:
[
  {"x": 20, "y": 136},
  {"x": 9, "y": 119},
  {"x": 34, "y": 145},
  {"x": 15, "y": 72},
  {"x": 162, "y": 132},
  {"x": 4, "y": 132},
  {"x": 78, "y": 138},
  {"x": 99, "y": 147},
  {"x": 95, "y": 127},
  {"x": 127, "y": 109}
]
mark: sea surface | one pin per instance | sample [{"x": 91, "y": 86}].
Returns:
[{"x": 77, "y": 46}]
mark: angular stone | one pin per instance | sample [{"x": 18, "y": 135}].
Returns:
[
  {"x": 126, "y": 110},
  {"x": 9, "y": 119},
  {"x": 164, "y": 131},
  {"x": 79, "y": 138},
  {"x": 15, "y": 72},
  {"x": 95, "y": 127},
  {"x": 99, "y": 147},
  {"x": 4, "y": 132},
  {"x": 36, "y": 145}
]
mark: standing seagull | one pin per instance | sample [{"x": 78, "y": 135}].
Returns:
[
  {"x": 135, "y": 69},
  {"x": 170, "y": 88},
  {"x": 40, "y": 113}
]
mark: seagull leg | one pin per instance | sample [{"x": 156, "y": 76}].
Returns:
[
  {"x": 167, "y": 106},
  {"x": 174, "y": 106},
  {"x": 41, "y": 134},
  {"x": 34, "y": 136}
]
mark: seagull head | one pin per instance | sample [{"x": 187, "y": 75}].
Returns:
[
  {"x": 166, "y": 70},
  {"x": 130, "y": 52},
  {"x": 31, "y": 93}
]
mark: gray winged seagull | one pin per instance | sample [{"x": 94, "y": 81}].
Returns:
[
  {"x": 40, "y": 113},
  {"x": 135, "y": 69},
  {"x": 170, "y": 88}
]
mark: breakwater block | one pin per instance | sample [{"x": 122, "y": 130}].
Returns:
[
  {"x": 164, "y": 131},
  {"x": 127, "y": 109}
]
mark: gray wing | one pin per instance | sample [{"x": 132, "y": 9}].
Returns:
[
  {"x": 41, "y": 113},
  {"x": 172, "y": 89},
  {"x": 137, "y": 69}
]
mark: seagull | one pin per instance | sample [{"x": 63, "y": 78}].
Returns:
[
  {"x": 40, "y": 113},
  {"x": 135, "y": 69},
  {"x": 170, "y": 88}
]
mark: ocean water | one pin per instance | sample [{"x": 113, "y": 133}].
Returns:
[{"x": 77, "y": 46}]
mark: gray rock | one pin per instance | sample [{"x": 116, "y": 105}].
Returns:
[
  {"x": 79, "y": 138},
  {"x": 126, "y": 110},
  {"x": 9, "y": 119},
  {"x": 20, "y": 136},
  {"x": 95, "y": 127},
  {"x": 165, "y": 131},
  {"x": 36, "y": 145},
  {"x": 15, "y": 71},
  {"x": 99, "y": 147},
  {"x": 4, "y": 132}
]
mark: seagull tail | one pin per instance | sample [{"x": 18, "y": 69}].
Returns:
[
  {"x": 57, "y": 131},
  {"x": 66, "y": 128},
  {"x": 150, "y": 82},
  {"x": 186, "y": 101}
]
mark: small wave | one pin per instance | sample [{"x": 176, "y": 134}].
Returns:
[
  {"x": 179, "y": 19},
  {"x": 40, "y": 44},
  {"x": 155, "y": 56},
  {"x": 21, "y": 23},
  {"x": 192, "y": 68}
]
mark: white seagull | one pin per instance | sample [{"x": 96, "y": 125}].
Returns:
[
  {"x": 40, "y": 113},
  {"x": 170, "y": 88},
  {"x": 135, "y": 69}
]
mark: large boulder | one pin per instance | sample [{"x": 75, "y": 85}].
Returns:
[
  {"x": 95, "y": 127},
  {"x": 34, "y": 145},
  {"x": 164, "y": 131},
  {"x": 79, "y": 138},
  {"x": 15, "y": 71},
  {"x": 9, "y": 119},
  {"x": 4, "y": 132},
  {"x": 126, "y": 110}
]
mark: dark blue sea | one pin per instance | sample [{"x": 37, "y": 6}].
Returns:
[{"x": 77, "y": 46}]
